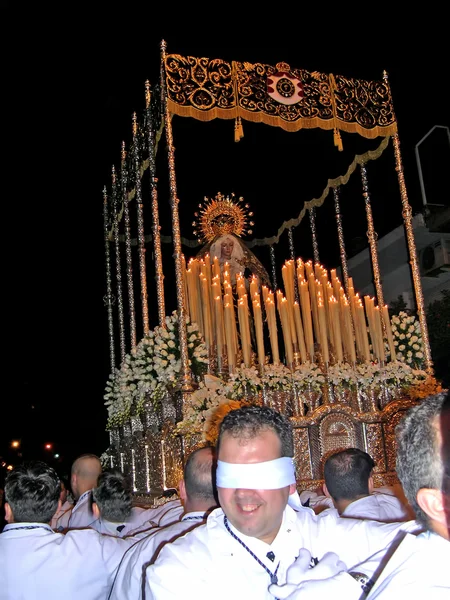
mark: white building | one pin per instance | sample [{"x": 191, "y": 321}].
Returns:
[{"x": 432, "y": 237}]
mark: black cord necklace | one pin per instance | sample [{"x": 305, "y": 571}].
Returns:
[{"x": 273, "y": 576}]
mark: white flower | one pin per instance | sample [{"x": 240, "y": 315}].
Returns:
[{"x": 150, "y": 368}]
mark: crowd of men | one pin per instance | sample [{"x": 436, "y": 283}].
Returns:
[{"x": 238, "y": 528}]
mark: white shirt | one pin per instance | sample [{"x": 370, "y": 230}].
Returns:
[
  {"x": 57, "y": 520},
  {"x": 120, "y": 529},
  {"x": 128, "y": 581},
  {"x": 160, "y": 516},
  {"x": 38, "y": 563},
  {"x": 376, "y": 506},
  {"x": 80, "y": 516},
  {"x": 209, "y": 562},
  {"x": 419, "y": 568}
]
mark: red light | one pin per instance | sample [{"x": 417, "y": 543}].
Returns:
[{"x": 48, "y": 446}]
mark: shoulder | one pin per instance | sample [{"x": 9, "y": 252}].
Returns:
[{"x": 419, "y": 564}]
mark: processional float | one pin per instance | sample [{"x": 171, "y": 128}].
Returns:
[{"x": 312, "y": 348}]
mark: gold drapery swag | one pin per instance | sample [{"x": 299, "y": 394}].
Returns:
[
  {"x": 358, "y": 159},
  {"x": 279, "y": 95}
]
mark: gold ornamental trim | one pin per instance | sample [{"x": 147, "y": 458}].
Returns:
[{"x": 207, "y": 89}]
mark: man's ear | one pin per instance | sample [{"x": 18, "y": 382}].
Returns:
[
  {"x": 431, "y": 501},
  {"x": 9, "y": 516},
  {"x": 182, "y": 490},
  {"x": 95, "y": 510},
  {"x": 370, "y": 484},
  {"x": 325, "y": 490}
]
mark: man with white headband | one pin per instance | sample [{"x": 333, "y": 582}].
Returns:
[{"x": 255, "y": 536}]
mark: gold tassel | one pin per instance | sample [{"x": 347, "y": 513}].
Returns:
[
  {"x": 337, "y": 139},
  {"x": 238, "y": 129}
]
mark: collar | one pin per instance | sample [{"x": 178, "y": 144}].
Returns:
[
  {"x": 81, "y": 500},
  {"x": 28, "y": 527},
  {"x": 196, "y": 515}
]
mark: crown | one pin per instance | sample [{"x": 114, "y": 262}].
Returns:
[{"x": 221, "y": 215}]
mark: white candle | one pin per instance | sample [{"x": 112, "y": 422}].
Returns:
[
  {"x": 259, "y": 333},
  {"x": 390, "y": 337},
  {"x": 323, "y": 331}
]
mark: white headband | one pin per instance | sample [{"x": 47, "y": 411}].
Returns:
[{"x": 268, "y": 475}]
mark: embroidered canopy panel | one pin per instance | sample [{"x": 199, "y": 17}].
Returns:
[{"x": 278, "y": 95}]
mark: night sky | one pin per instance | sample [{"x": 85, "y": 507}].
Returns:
[{"x": 72, "y": 78}]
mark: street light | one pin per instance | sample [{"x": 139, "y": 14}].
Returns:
[{"x": 419, "y": 165}]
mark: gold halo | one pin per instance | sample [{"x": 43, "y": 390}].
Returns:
[{"x": 221, "y": 215}]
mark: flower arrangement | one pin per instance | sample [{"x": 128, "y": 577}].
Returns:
[
  {"x": 408, "y": 339},
  {"x": 152, "y": 368},
  {"x": 278, "y": 378},
  {"x": 343, "y": 375},
  {"x": 245, "y": 381},
  {"x": 308, "y": 377}
]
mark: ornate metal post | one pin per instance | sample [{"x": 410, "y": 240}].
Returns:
[
  {"x": 108, "y": 299},
  {"x": 118, "y": 268},
  {"x": 140, "y": 222},
  {"x": 155, "y": 211},
  {"x": 186, "y": 384},
  {"x": 340, "y": 230},
  {"x": 407, "y": 219},
  {"x": 128, "y": 254},
  {"x": 312, "y": 222},
  {"x": 372, "y": 237}
]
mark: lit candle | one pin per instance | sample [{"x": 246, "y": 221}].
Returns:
[
  {"x": 372, "y": 329},
  {"x": 323, "y": 330},
  {"x": 350, "y": 344},
  {"x": 306, "y": 313},
  {"x": 259, "y": 332},
  {"x": 219, "y": 326},
  {"x": 363, "y": 330},
  {"x": 379, "y": 333},
  {"x": 272, "y": 324},
  {"x": 300, "y": 269},
  {"x": 285, "y": 325},
  {"x": 229, "y": 335},
  {"x": 390, "y": 338},
  {"x": 216, "y": 267},
  {"x": 244, "y": 330},
  {"x": 335, "y": 320},
  {"x": 300, "y": 333},
  {"x": 206, "y": 310},
  {"x": 254, "y": 287},
  {"x": 313, "y": 298}
]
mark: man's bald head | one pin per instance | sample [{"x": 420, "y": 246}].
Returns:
[
  {"x": 197, "y": 489},
  {"x": 85, "y": 471}
]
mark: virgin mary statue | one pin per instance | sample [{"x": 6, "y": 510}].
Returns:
[{"x": 222, "y": 221}]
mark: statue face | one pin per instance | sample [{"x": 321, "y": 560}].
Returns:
[{"x": 226, "y": 248}]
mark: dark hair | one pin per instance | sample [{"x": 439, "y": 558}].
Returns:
[
  {"x": 248, "y": 421},
  {"x": 113, "y": 496},
  {"x": 419, "y": 462},
  {"x": 198, "y": 474},
  {"x": 347, "y": 473},
  {"x": 32, "y": 490}
]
